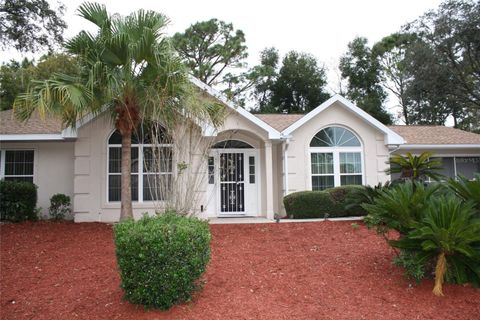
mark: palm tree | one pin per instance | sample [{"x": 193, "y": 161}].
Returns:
[
  {"x": 128, "y": 69},
  {"x": 450, "y": 234},
  {"x": 415, "y": 168}
]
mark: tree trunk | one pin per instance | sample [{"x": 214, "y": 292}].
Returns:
[
  {"x": 126, "y": 170},
  {"x": 440, "y": 270}
]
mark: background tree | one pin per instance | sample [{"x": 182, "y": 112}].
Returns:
[
  {"x": 263, "y": 88},
  {"x": 362, "y": 71},
  {"x": 128, "y": 70},
  {"x": 210, "y": 48},
  {"x": 298, "y": 87},
  {"x": 29, "y": 25},
  {"x": 15, "y": 77},
  {"x": 395, "y": 77},
  {"x": 451, "y": 34}
]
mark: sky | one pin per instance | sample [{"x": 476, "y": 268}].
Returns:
[{"x": 321, "y": 28}]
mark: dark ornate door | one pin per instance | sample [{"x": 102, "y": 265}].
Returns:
[{"x": 232, "y": 183}]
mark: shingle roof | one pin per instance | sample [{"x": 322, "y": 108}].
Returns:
[
  {"x": 279, "y": 121},
  {"x": 412, "y": 134},
  {"x": 35, "y": 125},
  {"x": 435, "y": 135}
]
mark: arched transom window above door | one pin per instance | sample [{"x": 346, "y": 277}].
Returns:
[{"x": 335, "y": 158}]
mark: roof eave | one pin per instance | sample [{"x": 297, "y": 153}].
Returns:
[
  {"x": 440, "y": 146},
  {"x": 34, "y": 137}
]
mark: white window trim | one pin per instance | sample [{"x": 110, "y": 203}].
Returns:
[
  {"x": 336, "y": 163},
  {"x": 139, "y": 173},
  {"x": 2, "y": 163}
]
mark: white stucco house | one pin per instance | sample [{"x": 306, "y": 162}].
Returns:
[{"x": 272, "y": 155}]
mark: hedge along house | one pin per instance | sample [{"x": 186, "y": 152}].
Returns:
[{"x": 254, "y": 160}]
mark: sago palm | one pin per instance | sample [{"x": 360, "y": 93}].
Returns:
[
  {"x": 415, "y": 168},
  {"x": 128, "y": 69},
  {"x": 468, "y": 190},
  {"x": 450, "y": 234}
]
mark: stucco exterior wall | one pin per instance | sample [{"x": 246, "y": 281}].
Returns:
[
  {"x": 375, "y": 152},
  {"x": 90, "y": 169},
  {"x": 53, "y": 168}
]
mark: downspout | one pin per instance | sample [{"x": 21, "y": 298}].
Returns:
[{"x": 286, "y": 141}]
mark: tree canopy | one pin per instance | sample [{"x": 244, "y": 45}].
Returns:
[
  {"x": 210, "y": 48},
  {"x": 15, "y": 77},
  {"x": 362, "y": 71},
  {"x": 28, "y": 25}
]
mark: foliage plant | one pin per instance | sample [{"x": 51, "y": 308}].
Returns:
[
  {"x": 415, "y": 168},
  {"x": 438, "y": 233},
  {"x": 364, "y": 195},
  {"x": 399, "y": 207},
  {"x": 161, "y": 258},
  {"x": 18, "y": 200},
  {"x": 447, "y": 233},
  {"x": 320, "y": 204},
  {"x": 468, "y": 190},
  {"x": 60, "y": 206}
]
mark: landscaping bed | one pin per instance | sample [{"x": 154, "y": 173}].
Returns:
[{"x": 318, "y": 270}]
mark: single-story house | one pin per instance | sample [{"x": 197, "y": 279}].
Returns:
[{"x": 264, "y": 156}]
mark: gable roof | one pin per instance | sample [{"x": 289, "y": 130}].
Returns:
[
  {"x": 436, "y": 135},
  {"x": 391, "y": 137},
  {"x": 272, "y": 132},
  {"x": 279, "y": 121}
]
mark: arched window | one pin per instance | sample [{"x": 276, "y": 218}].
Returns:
[
  {"x": 231, "y": 144},
  {"x": 335, "y": 158},
  {"x": 151, "y": 166}
]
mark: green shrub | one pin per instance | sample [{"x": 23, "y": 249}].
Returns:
[
  {"x": 59, "y": 206},
  {"x": 449, "y": 234},
  {"x": 18, "y": 201},
  {"x": 412, "y": 263},
  {"x": 399, "y": 207},
  {"x": 364, "y": 195},
  {"x": 161, "y": 258},
  {"x": 320, "y": 204},
  {"x": 468, "y": 190}
]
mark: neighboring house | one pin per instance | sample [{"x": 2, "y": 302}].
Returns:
[{"x": 335, "y": 144}]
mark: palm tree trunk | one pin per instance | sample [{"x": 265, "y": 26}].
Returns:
[
  {"x": 440, "y": 270},
  {"x": 126, "y": 170}
]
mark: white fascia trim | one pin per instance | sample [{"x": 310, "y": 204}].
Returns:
[
  {"x": 272, "y": 133},
  {"x": 391, "y": 137},
  {"x": 32, "y": 137},
  {"x": 439, "y": 146}
]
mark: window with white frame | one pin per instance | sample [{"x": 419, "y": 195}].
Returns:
[
  {"x": 17, "y": 165},
  {"x": 151, "y": 165},
  {"x": 335, "y": 158}
]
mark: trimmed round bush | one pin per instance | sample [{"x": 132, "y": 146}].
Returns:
[
  {"x": 18, "y": 201},
  {"x": 320, "y": 204},
  {"x": 161, "y": 258}
]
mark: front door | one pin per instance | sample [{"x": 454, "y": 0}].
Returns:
[{"x": 233, "y": 182}]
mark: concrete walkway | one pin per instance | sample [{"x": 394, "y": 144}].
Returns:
[{"x": 244, "y": 220}]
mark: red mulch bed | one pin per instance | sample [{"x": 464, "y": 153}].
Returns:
[{"x": 275, "y": 271}]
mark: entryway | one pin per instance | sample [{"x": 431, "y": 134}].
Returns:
[{"x": 233, "y": 183}]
